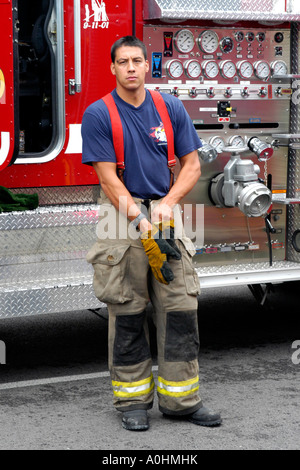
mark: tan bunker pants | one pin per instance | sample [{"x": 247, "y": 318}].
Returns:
[{"x": 124, "y": 281}]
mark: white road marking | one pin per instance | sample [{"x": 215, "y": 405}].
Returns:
[{"x": 57, "y": 380}]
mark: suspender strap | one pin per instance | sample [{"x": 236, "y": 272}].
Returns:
[
  {"x": 117, "y": 131},
  {"x": 164, "y": 114}
]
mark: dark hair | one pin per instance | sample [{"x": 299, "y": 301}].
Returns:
[{"x": 131, "y": 41}]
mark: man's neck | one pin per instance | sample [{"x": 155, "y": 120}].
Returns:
[{"x": 133, "y": 97}]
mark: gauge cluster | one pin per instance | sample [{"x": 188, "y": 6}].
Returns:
[{"x": 219, "y": 54}]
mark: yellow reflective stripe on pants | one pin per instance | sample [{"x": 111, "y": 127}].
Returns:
[
  {"x": 178, "y": 389},
  {"x": 133, "y": 389}
]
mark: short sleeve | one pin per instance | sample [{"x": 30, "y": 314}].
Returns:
[{"x": 97, "y": 144}]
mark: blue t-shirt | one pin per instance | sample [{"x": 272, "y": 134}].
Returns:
[{"x": 146, "y": 172}]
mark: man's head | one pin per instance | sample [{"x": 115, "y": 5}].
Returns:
[
  {"x": 130, "y": 41},
  {"x": 129, "y": 64}
]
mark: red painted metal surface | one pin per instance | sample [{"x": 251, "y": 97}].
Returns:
[
  {"x": 7, "y": 129},
  {"x": 97, "y": 37}
]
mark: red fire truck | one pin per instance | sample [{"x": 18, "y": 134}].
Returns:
[{"x": 234, "y": 65}]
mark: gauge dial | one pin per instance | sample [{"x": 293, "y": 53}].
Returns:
[
  {"x": 174, "y": 68},
  {"x": 218, "y": 143},
  {"x": 278, "y": 37},
  {"x": 210, "y": 68},
  {"x": 226, "y": 45},
  {"x": 228, "y": 69},
  {"x": 236, "y": 141},
  {"x": 279, "y": 67},
  {"x": 184, "y": 40},
  {"x": 192, "y": 68},
  {"x": 245, "y": 69},
  {"x": 250, "y": 37},
  {"x": 261, "y": 36},
  {"x": 262, "y": 70},
  {"x": 239, "y": 36},
  {"x": 208, "y": 41}
]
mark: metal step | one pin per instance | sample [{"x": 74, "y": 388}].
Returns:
[{"x": 248, "y": 273}]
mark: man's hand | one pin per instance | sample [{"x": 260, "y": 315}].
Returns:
[
  {"x": 158, "y": 251},
  {"x": 167, "y": 228}
]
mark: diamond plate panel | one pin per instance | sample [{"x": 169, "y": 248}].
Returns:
[
  {"x": 48, "y": 300},
  {"x": 47, "y": 233},
  {"x": 63, "y": 195},
  {"x": 275, "y": 10}
]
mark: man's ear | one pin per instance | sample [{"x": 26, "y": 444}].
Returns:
[{"x": 112, "y": 68}]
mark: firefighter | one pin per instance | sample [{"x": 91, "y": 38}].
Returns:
[{"x": 137, "y": 257}]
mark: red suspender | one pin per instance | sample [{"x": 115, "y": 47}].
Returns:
[
  {"x": 164, "y": 114},
  {"x": 117, "y": 129}
]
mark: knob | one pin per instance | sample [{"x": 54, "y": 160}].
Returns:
[
  {"x": 262, "y": 92},
  {"x": 193, "y": 92},
  {"x": 228, "y": 92},
  {"x": 210, "y": 92},
  {"x": 245, "y": 92}
]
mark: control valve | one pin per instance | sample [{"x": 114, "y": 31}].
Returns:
[{"x": 239, "y": 187}]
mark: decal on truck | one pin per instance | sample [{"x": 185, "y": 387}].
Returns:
[
  {"x": 4, "y": 146},
  {"x": 2, "y": 88},
  {"x": 97, "y": 19}
]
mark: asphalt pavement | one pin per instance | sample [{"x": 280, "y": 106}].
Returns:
[{"x": 55, "y": 391}]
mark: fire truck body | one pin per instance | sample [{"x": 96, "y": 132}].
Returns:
[{"x": 234, "y": 65}]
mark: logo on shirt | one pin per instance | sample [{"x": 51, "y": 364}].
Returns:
[{"x": 159, "y": 134}]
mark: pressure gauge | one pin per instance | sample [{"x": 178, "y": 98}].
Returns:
[
  {"x": 218, "y": 143},
  {"x": 236, "y": 141},
  {"x": 262, "y": 70},
  {"x": 210, "y": 68},
  {"x": 184, "y": 41},
  {"x": 279, "y": 67},
  {"x": 250, "y": 37},
  {"x": 239, "y": 36},
  {"x": 228, "y": 69},
  {"x": 226, "y": 45},
  {"x": 278, "y": 37},
  {"x": 192, "y": 68},
  {"x": 245, "y": 69},
  {"x": 261, "y": 36},
  {"x": 174, "y": 68},
  {"x": 208, "y": 41}
]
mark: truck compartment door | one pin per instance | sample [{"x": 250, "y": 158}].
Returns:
[{"x": 9, "y": 132}]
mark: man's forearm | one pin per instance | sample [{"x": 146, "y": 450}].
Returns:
[
  {"x": 119, "y": 196},
  {"x": 187, "y": 178}
]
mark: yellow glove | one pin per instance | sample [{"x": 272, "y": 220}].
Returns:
[
  {"x": 158, "y": 250},
  {"x": 167, "y": 229}
]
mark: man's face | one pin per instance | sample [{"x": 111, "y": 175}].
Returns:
[{"x": 130, "y": 67}]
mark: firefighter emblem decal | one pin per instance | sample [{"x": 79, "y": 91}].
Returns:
[
  {"x": 159, "y": 134},
  {"x": 95, "y": 15}
]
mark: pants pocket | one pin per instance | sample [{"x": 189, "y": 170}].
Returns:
[
  {"x": 111, "y": 265},
  {"x": 190, "y": 276}
]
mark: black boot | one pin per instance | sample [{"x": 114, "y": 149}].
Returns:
[
  {"x": 205, "y": 417},
  {"x": 135, "y": 420}
]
